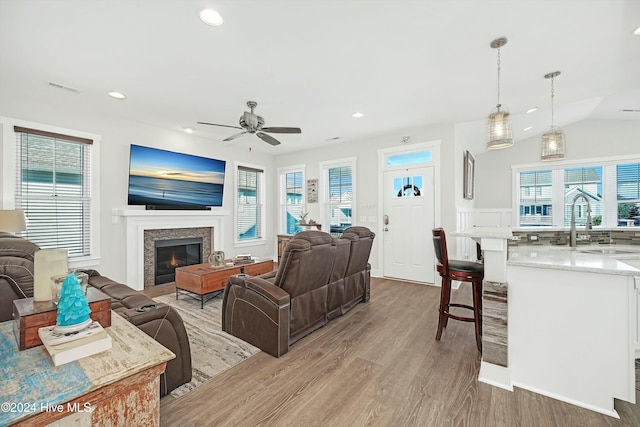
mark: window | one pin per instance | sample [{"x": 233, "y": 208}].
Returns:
[
  {"x": 582, "y": 184},
  {"x": 409, "y": 158},
  {"x": 249, "y": 207},
  {"x": 53, "y": 187},
  {"x": 292, "y": 201},
  {"x": 339, "y": 196},
  {"x": 612, "y": 188},
  {"x": 628, "y": 193}
]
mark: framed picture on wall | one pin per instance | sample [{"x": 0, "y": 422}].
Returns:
[
  {"x": 469, "y": 164},
  {"x": 312, "y": 191}
]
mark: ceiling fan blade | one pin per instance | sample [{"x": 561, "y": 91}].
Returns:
[
  {"x": 282, "y": 130},
  {"x": 214, "y": 124},
  {"x": 232, "y": 137},
  {"x": 267, "y": 138}
]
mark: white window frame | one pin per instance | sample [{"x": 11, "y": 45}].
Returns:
[
  {"x": 324, "y": 189},
  {"x": 262, "y": 240},
  {"x": 9, "y": 179},
  {"x": 282, "y": 172},
  {"x": 609, "y": 189}
]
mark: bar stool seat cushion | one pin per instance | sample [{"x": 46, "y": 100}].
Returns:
[{"x": 466, "y": 266}]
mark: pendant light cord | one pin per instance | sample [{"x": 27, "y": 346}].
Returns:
[
  {"x": 552, "y": 94},
  {"x": 498, "y": 77}
]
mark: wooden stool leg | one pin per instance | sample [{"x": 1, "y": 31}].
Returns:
[
  {"x": 477, "y": 312},
  {"x": 445, "y": 294}
]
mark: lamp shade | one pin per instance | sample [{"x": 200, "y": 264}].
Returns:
[
  {"x": 553, "y": 147},
  {"x": 499, "y": 129},
  {"x": 12, "y": 221}
]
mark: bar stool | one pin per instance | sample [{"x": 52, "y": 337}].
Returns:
[{"x": 463, "y": 271}]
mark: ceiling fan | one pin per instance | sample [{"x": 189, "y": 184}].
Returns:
[{"x": 252, "y": 123}]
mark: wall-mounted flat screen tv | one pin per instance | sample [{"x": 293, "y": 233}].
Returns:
[{"x": 165, "y": 178}]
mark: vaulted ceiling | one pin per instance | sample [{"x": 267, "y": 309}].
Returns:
[{"x": 311, "y": 64}]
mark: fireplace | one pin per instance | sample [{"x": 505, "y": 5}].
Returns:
[{"x": 173, "y": 253}]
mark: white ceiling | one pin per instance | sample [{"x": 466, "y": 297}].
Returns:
[{"x": 311, "y": 64}]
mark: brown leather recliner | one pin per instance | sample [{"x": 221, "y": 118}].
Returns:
[
  {"x": 274, "y": 312},
  {"x": 316, "y": 281},
  {"x": 357, "y": 281}
]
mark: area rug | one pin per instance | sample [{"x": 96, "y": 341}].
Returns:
[{"x": 212, "y": 350}]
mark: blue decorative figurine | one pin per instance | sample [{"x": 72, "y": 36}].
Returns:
[{"x": 73, "y": 308}]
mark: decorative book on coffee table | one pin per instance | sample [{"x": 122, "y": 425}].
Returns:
[{"x": 66, "y": 347}]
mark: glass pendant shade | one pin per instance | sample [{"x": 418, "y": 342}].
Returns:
[
  {"x": 499, "y": 124},
  {"x": 553, "y": 145},
  {"x": 500, "y": 134}
]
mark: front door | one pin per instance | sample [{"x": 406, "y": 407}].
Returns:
[{"x": 407, "y": 223}]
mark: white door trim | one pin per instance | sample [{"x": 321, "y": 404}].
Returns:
[{"x": 434, "y": 146}]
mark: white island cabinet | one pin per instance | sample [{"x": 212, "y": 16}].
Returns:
[{"x": 572, "y": 326}]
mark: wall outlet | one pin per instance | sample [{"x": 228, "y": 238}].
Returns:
[
  {"x": 583, "y": 237},
  {"x": 533, "y": 237},
  {"x": 516, "y": 238}
]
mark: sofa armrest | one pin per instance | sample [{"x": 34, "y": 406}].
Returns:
[
  {"x": 257, "y": 311},
  {"x": 165, "y": 325},
  {"x": 263, "y": 287}
]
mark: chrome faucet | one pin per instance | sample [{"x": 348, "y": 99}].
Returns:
[{"x": 588, "y": 226}]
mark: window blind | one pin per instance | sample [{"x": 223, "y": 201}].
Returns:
[
  {"x": 340, "y": 199},
  {"x": 250, "y": 208},
  {"x": 53, "y": 187},
  {"x": 294, "y": 201}
]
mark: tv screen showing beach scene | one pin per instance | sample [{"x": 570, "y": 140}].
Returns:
[{"x": 161, "y": 177}]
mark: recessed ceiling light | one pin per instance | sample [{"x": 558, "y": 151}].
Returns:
[
  {"x": 211, "y": 17},
  {"x": 637, "y": 31},
  {"x": 188, "y": 130},
  {"x": 531, "y": 110},
  {"x": 116, "y": 95},
  {"x": 527, "y": 128},
  {"x": 357, "y": 115}
]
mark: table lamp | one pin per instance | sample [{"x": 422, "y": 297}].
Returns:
[{"x": 12, "y": 221}]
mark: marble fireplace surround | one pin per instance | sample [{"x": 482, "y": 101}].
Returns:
[{"x": 137, "y": 221}]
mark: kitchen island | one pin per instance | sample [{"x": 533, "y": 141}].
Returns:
[{"x": 571, "y": 323}]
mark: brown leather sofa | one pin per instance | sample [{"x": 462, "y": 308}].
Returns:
[
  {"x": 162, "y": 322},
  {"x": 318, "y": 279}
]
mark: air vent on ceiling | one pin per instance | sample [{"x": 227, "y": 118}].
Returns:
[
  {"x": 630, "y": 110},
  {"x": 61, "y": 86}
]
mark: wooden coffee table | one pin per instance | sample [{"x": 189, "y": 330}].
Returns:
[{"x": 206, "y": 281}]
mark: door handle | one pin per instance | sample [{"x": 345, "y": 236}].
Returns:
[{"x": 386, "y": 220}]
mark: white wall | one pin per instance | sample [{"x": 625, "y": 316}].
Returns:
[
  {"x": 588, "y": 139},
  {"x": 117, "y": 134},
  {"x": 366, "y": 152}
]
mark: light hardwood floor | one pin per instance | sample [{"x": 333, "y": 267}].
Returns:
[{"x": 377, "y": 365}]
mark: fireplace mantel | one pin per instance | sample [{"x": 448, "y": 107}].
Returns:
[{"x": 138, "y": 220}]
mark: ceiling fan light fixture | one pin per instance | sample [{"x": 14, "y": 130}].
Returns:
[
  {"x": 499, "y": 122},
  {"x": 553, "y": 145},
  {"x": 211, "y": 17}
]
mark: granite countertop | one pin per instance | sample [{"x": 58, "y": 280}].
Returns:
[
  {"x": 486, "y": 232},
  {"x": 609, "y": 260}
]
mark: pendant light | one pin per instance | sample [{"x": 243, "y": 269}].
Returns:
[
  {"x": 500, "y": 135},
  {"x": 553, "y": 139}
]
